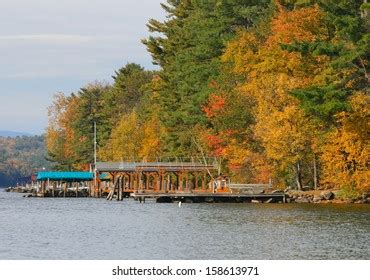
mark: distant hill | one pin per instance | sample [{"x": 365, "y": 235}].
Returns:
[
  {"x": 20, "y": 157},
  {"x": 8, "y": 133}
]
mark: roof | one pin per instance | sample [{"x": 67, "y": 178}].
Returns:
[
  {"x": 65, "y": 176},
  {"x": 152, "y": 166}
]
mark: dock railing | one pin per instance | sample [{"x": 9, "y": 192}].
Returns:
[{"x": 254, "y": 188}]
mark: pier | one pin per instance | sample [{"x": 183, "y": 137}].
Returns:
[
  {"x": 211, "y": 197},
  {"x": 188, "y": 182},
  {"x": 177, "y": 181}
]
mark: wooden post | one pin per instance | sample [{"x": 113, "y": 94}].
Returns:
[
  {"x": 157, "y": 182},
  {"x": 180, "y": 181},
  {"x": 169, "y": 178},
  {"x": 48, "y": 186},
  {"x": 123, "y": 184},
  {"x": 177, "y": 182},
  {"x": 196, "y": 180},
  {"x": 163, "y": 182},
  {"x": 129, "y": 181},
  {"x": 204, "y": 181},
  {"x": 187, "y": 187},
  {"x": 119, "y": 188},
  {"x": 147, "y": 179},
  {"x": 77, "y": 183}
]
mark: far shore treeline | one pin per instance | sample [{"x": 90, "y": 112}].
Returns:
[
  {"x": 20, "y": 156},
  {"x": 274, "y": 89}
]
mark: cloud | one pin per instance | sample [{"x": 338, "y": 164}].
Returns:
[{"x": 47, "y": 38}]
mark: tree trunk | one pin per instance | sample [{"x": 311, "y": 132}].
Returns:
[
  {"x": 298, "y": 175},
  {"x": 315, "y": 175},
  {"x": 364, "y": 11}
]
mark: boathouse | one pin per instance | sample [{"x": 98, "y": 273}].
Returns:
[
  {"x": 64, "y": 183},
  {"x": 154, "y": 177}
]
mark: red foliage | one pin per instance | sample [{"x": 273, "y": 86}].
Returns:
[
  {"x": 216, "y": 104},
  {"x": 216, "y": 144}
]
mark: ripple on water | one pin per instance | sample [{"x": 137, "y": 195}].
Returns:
[{"x": 99, "y": 229}]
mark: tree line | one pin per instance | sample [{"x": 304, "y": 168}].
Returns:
[
  {"x": 274, "y": 89},
  {"x": 20, "y": 157}
]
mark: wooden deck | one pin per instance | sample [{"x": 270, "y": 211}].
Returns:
[{"x": 211, "y": 197}]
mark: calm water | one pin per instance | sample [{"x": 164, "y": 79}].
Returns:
[{"x": 81, "y": 228}]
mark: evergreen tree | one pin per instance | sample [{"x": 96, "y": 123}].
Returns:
[{"x": 188, "y": 50}]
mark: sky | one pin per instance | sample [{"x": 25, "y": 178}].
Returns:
[{"x": 50, "y": 46}]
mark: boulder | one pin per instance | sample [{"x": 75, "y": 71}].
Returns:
[
  {"x": 277, "y": 191},
  {"x": 327, "y": 195},
  {"x": 317, "y": 198},
  {"x": 302, "y": 200},
  {"x": 307, "y": 188},
  {"x": 366, "y": 195}
]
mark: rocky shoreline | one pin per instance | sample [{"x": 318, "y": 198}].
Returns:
[
  {"x": 317, "y": 196},
  {"x": 20, "y": 189}
]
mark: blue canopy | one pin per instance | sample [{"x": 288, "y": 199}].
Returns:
[{"x": 65, "y": 176}]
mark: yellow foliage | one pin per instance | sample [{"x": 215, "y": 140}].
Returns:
[
  {"x": 132, "y": 140},
  {"x": 125, "y": 140},
  {"x": 271, "y": 72},
  {"x": 346, "y": 154},
  {"x": 152, "y": 139},
  {"x": 60, "y": 136}
]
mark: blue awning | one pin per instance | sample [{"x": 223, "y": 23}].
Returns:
[{"x": 65, "y": 176}]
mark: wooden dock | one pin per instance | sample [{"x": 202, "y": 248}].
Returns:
[
  {"x": 188, "y": 182},
  {"x": 211, "y": 197}
]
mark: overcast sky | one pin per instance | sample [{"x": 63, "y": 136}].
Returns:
[{"x": 48, "y": 46}]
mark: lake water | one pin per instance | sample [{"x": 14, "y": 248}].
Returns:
[{"x": 86, "y": 228}]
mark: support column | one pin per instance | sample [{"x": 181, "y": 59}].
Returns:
[
  {"x": 196, "y": 183},
  {"x": 187, "y": 187},
  {"x": 204, "y": 181},
  {"x": 147, "y": 180},
  {"x": 181, "y": 176},
  {"x": 130, "y": 181},
  {"x": 170, "y": 187},
  {"x": 65, "y": 190}
]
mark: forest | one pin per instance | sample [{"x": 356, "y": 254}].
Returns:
[
  {"x": 274, "y": 89},
  {"x": 19, "y": 157}
]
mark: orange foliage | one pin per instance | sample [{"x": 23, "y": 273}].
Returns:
[
  {"x": 215, "y": 104},
  {"x": 300, "y": 25}
]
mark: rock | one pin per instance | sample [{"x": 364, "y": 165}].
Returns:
[
  {"x": 361, "y": 201},
  {"x": 366, "y": 195},
  {"x": 288, "y": 189},
  {"x": 277, "y": 191},
  {"x": 307, "y": 188},
  {"x": 302, "y": 200},
  {"x": 327, "y": 195}
]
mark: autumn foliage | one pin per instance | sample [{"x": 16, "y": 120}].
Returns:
[{"x": 276, "y": 90}]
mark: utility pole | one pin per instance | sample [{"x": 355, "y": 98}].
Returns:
[{"x": 95, "y": 144}]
